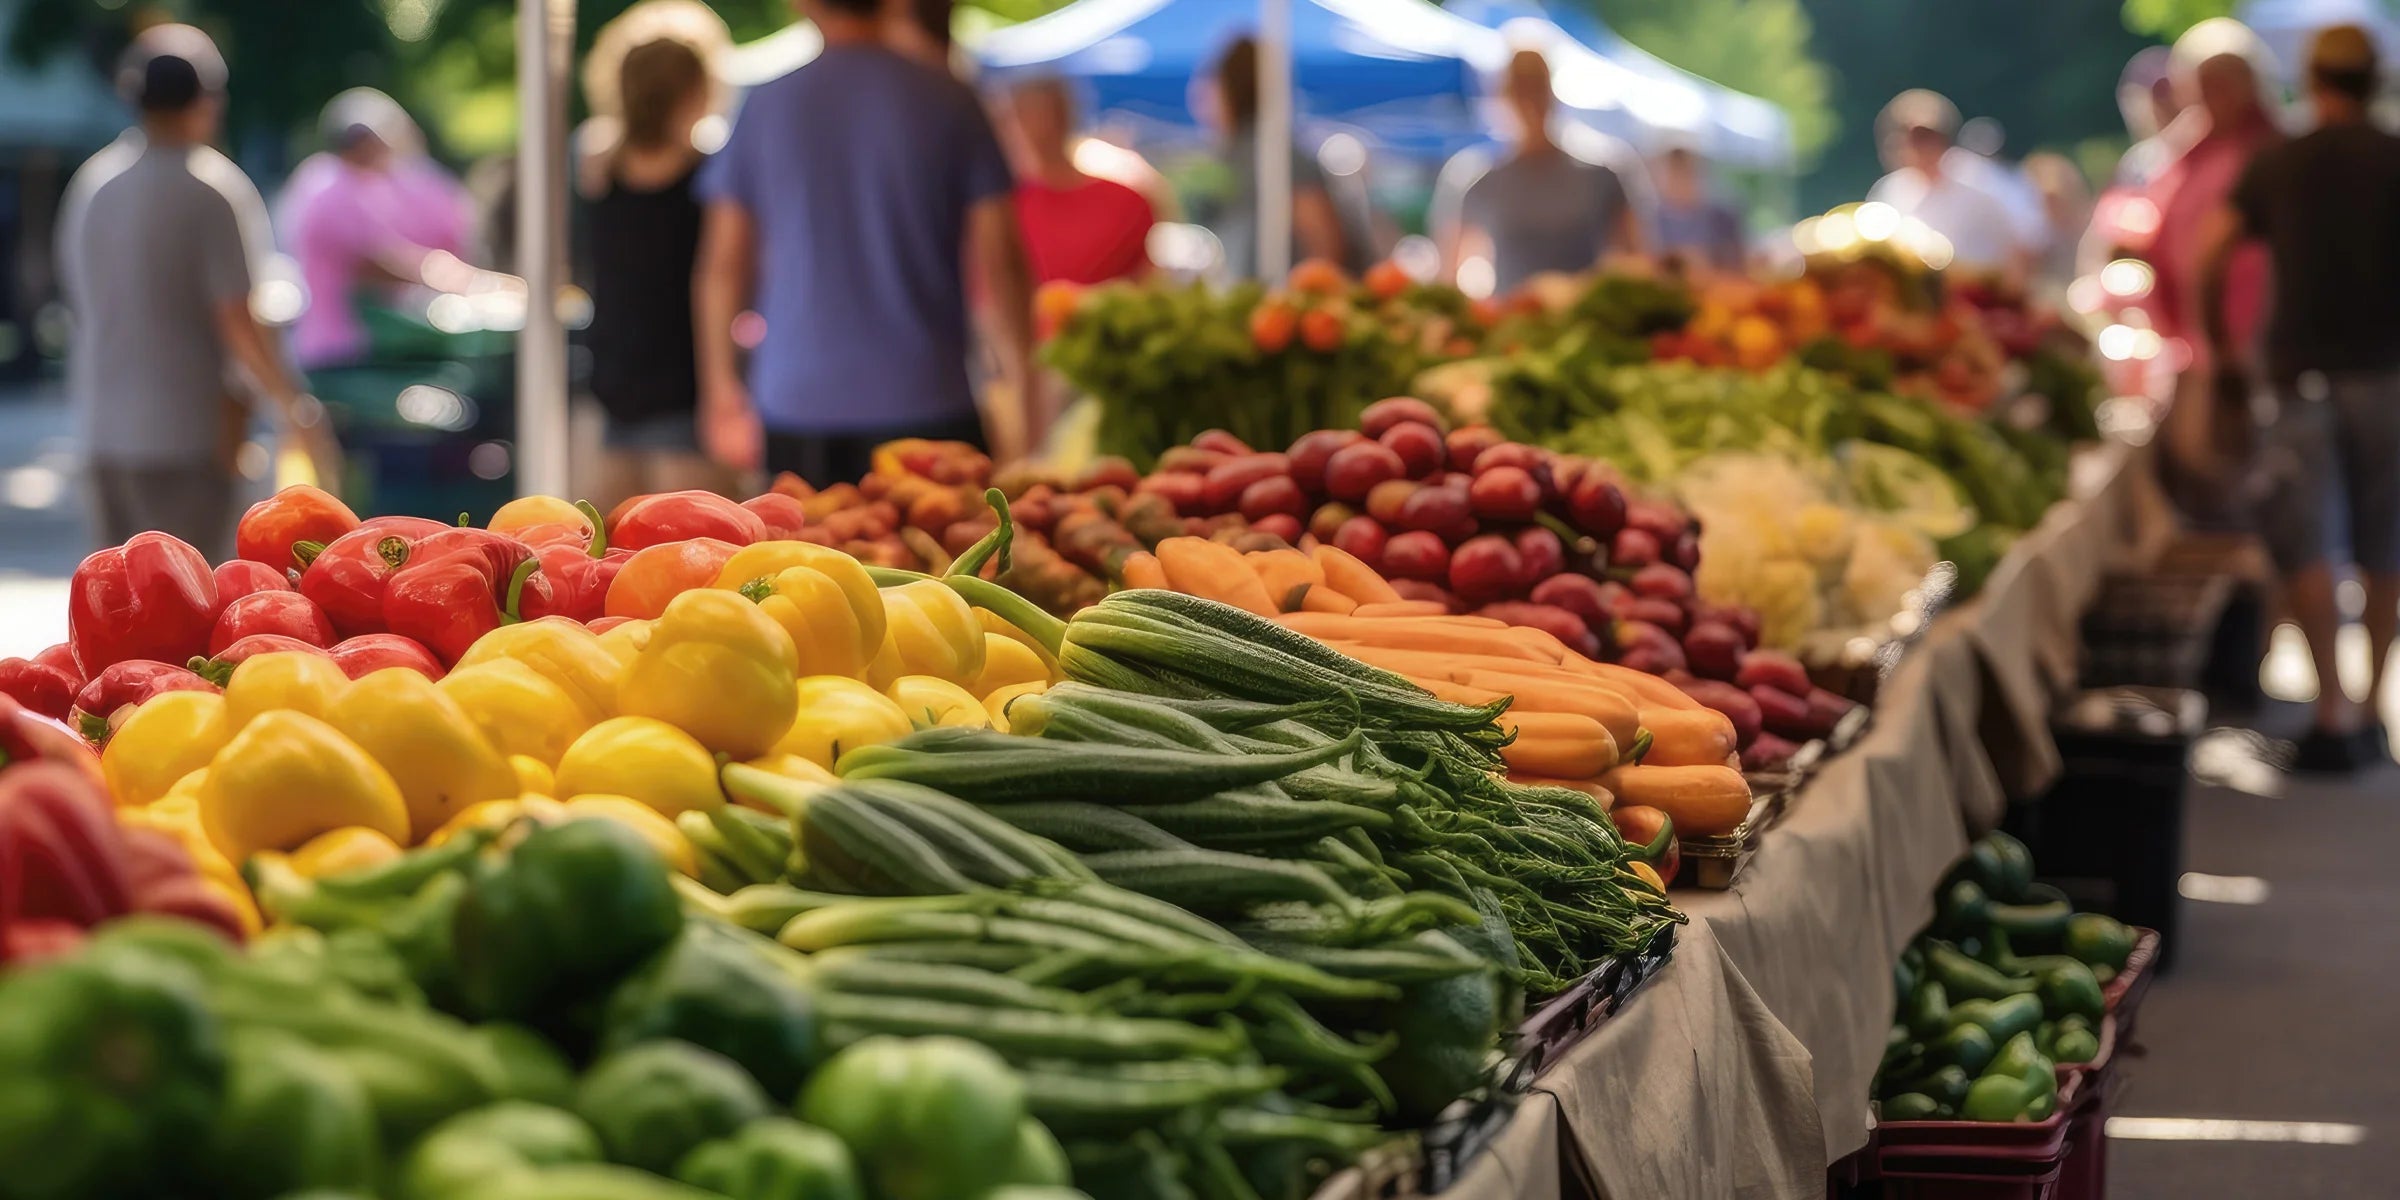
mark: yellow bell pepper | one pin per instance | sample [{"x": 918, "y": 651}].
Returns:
[
  {"x": 623, "y": 641},
  {"x": 655, "y": 828},
  {"x": 518, "y": 709},
  {"x": 288, "y": 679},
  {"x": 177, "y": 815},
  {"x": 644, "y": 758},
  {"x": 341, "y": 851},
  {"x": 817, "y": 613},
  {"x": 1006, "y": 661},
  {"x": 993, "y": 622},
  {"x": 287, "y": 777},
  {"x": 493, "y": 814},
  {"x": 929, "y": 701},
  {"x": 432, "y": 749},
  {"x": 836, "y": 714},
  {"x": 170, "y": 736},
  {"x": 765, "y": 560},
  {"x": 717, "y": 668},
  {"x": 561, "y": 651},
  {"x": 995, "y": 705},
  {"x": 533, "y": 775},
  {"x": 928, "y": 630}
]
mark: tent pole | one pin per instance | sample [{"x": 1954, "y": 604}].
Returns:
[
  {"x": 1274, "y": 131},
  {"x": 545, "y": 32}
]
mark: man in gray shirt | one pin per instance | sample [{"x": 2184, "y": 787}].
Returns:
[
  {"x": 155, "y": 250},
  {"x": 1542, "y": 208}
]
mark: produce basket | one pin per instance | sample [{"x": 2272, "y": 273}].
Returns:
[
  {"x": 1975, "y": 1160},
  {"x": 1712, "y": 863},
  {"x": 1560, "y": 1022},
  {"x": 1856, "y": 666},
  {"x": 2153, "y": 630},
  {"x": 2021, "y": 1139},
  {"x": 2086, "y": 1173},
  {"x": 2124, "y": 993}
]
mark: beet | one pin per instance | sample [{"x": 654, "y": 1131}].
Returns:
[
  {"x": 1714, "y": 649},
  {"x": 1775, "y": 669},
  {"x": 1737, "y": 705},
  {"x": 1486, "y": 568}
]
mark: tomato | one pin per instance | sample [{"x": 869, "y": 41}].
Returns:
[
  {"x": 648, "y": 521},
  {"x": 298, "y": 513}
]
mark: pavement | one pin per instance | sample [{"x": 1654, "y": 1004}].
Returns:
[{"x": 43, "y": 533}]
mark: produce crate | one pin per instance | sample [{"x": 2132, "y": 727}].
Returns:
[
  {"x": 2110, "y": 831},
  {"x": 2153, "y": 630},
  {"x": 1975, "y": 1160},
  {"x": 1855, "y": 666},
  {"x": 1557, "y": 1024},
  {"x": 2124, "y": 993},
  {"x": 2086, "y": 1174}
]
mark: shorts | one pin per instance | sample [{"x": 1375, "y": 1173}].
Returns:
[
  {"x": 825, "y": 459},
  {"x": 194, "y": 502},
  {"x": 2332, "y": 459},
  {"x": 678, "y": 432}
]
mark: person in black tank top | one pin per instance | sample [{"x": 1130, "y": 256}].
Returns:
[{"x": 641, "y": 233}]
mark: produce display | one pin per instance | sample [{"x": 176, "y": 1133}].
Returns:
[
  {"x": 1169, "y": 898},
  {"x": 2004, "y": 988}
]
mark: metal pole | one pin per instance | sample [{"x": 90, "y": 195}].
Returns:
[
  {"x": 1274, "y": 130},
  {"x": 545, "y": 33}
]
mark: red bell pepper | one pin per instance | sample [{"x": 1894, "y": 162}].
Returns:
[
  {"x": 218, "y": 668},
  {"x": 161, "y": 878},
  {"x": 124, "y": 685},
  {"x": 239, "y": 577},
  {"x": 38, "y": 686},
  {"x": 780, "y": 513},
  {"x": 300, "y": 513},
  {"x": 674, "y": 516},
  {"x": 61, "y": 853},
  {"x": 288, "y": 613},
  {"x": 152, "y": 597},
  {"x": 371, "y": 652},
  {"x": 62, "y": 656},
  {"x": 580, "y": 566},
  {"x": 346, "y": 576},
  {"x": 463, "y": 587},
  {"x": 27, "y": 736}
]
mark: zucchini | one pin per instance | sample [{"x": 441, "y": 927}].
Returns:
[
  {"x": 996, "y": 957},
  {"x": 1073, "y": 1100},
  {"x": 998, "y": 768},
  {"x": 1019, "y": 1033},
  {"x": 1216, "y": 881},
  {"x": 988, "y": 850},
  {"x": 1243, "y": 821},
  {"x": 1086, "y": 827},
  {"x": 861, "y": 975},
  {"x": 848, "y": 846}
]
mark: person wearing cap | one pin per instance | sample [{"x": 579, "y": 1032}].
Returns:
[
  {"x": 1543, "y": 208},
  {"x": 2327, "y": 205},
  {"x": 1920, "y": 130},
  {"x": 156, "y": 239}
]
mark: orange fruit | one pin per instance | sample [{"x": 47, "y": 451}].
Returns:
[{"x": 1272, "y": 325}]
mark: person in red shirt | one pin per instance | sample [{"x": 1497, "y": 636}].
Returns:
[{"x": 1077, "y": 228}]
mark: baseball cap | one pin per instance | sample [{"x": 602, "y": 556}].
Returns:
[{"x": 168, "y": 67}]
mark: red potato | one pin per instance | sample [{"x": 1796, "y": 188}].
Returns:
[
  {"x": 1180, "y": 488},
  {"x": 1783, "y": 714},
  {"x": 1826, "y": 709},
  {"x": 1578, "y": 594},
  {"x": 1768, "y": 752},
  {"x": 1310, "y": 454},
  {"x": 1384, "y": 414},
  {"x": 1737, "y": 705},
  {"x": 1355, "y": 469},
  {"x": 1714, "y": 649},
  {"x": 1362, "y": 538},
  {"x": 1652, "y": 658},
  {"x": 1189, "y": 460},
  {"x": 1597, "y": 507},
  {"x": 1467, "y": 444},
  {"x": 1419, "y": 446},
  {"x": 1227, "y": 480},
  {"x": 1533, "y": 460},
  {"x": 1328, "y": 520},
  {"x": 1550, "y": 619},
  {"x": 1663, "y": 581},
  {"x": 1615, "y": 599},
  {"x": 1385, "y": 499},
  {"x": 1221, "y": 442},
  {"x": 1283, "y": 525},
  {"x": 1632, "y": 548},
  {"x": 1679, "y": 677},
  {"x": 1417, "y": 554},
  {"x": 1662, "y": 521},
  {"x": 1545, "y": 555},
  {"x": 1665, "y": 614},
  {"x": 1738, "y": 618},
  {"x": 1504, "y": 494},
  {"x": 1775, "y": 669},
  {"x": 1437, "y": 510},
  {"x": 1684, "y": 551},
  {"x": 1418, "y": 589},
  {"x": 1486, "y": 568},
  {"x": 1272, "y": 495}
]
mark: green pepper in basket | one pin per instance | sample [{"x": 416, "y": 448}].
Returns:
[
  {"x": 2074, "y": 1045},
  {"x": 1911, "y": 1106},
  {"x": 110, "y": 1064},
  {"x": 293, "y": 1117},
  {"x": 1961, "y": 909},
  {"x": 1927, "y": 1013},
  {"x": 722, "y": 989},
  {"x": 496, "y": 1140},
  {"x": 1963, "y": 978},
  {"x": 584, "y": 1181},
  {"x": 2101, "y": 941},
  {"x": 2071, "y": 989},
  {"x": 775, "y": 1158},
  {"x": 566, "y": 914},
  {"x": 926, "y": 1116},
  {"x": 1967, "y": 1045},
  {"x": 2003, "y": 1019},
  {"x": 2020, "y": 1085},
  {"x": 653, "y": 1103}
]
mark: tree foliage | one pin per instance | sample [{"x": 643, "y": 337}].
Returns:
[
  {"x": 1757, "y": 46},
  {"x": 2167, "y": 19}
]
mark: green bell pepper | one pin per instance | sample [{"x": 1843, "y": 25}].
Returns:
[
  {"x": 1993, "y": 950},
  {"x": 1037, "y": 1160},
  {"x": 110, "y": 1065},
  {"x": 1961, "y": 908},
  {"x": 2074, "y": 1046},
  {"x": 724, "y": 989},
  {"x": 2003, "y": 1019},
  {"x": 531, "y": 1069},
  {"x": 654, "y": 1102},
  {"x": 564, "y": 915},
  {"x": 293, "y": 1117},
  {"x": 418, "y": 1066},
  {"x": 409, "y": 904},
  {"x": 776, "y": 1158},
  {"x": 2099, "y": 940},
  {"x": 1910, "y": 1106},
  {"x": 1998, "y": 1098},
  {"x": 2015, "y": 864},
  {"x": 507, "y": 1138},
  {"x": 584, "y": 1181},
  {"x": 2071, "y": 989},
  {"x": 1964, "y": 978},
  {"x": 2038, "y": 924},
  {"x": 1928, "y": 1011},
  {"x": 1967, "y": 1045},
  {"x": 1947, "y": 1085},
  {"x": 2018, "y": 1056},
  {"x": 925, "y": 1116}
]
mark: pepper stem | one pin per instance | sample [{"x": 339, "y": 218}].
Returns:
[
  {"x": 757, "y": 590},
  {"x": 996, "y": 542},
  {"x": 516, "y": 590},
  {"x": 599, "y": 527},
  {"x": 1640, "y": 749},
  {"x": 210, "y": 669},
  {"x": 305, "y": 553},
  {"x": 393, "y": 550}
]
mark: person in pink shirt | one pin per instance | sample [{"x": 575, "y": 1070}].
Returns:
[
  {"x": 1077, "y": 227},
  {"x": 366, "y": 217},
  {"x": 2191, "y": 190}
]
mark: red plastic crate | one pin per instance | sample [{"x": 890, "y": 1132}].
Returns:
[
  {"x": 2014, "y": 1139},
  {"x": 2085, "y": 1173},
  {"x": 2124, "y": 993}
]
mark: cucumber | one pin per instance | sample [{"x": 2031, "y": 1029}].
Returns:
[
  {"x": 849, "y": 846},
  {"x": 992, "y": 767},
  {"x": 861, "y": 975},
  {"x": 1086, "y": 827},
  {"x": 916, "y": 809},
  {"x": 1242, "y": 821},
  {"x": 1216, "y": 881},
  {"x": 1089, "y": 1100},
  {"x": 1025, "y": 1033}
]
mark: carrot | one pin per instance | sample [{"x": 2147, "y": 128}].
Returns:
[
  {"x": 1286, "y": 574},
  {"x": 1567, "y": 745},
  {"x": 1439, "y": 635},
  {"x": 1345, "y": 573},
  {"x": 1403, "y": 608},
  {"x": 1592, "y": 788},
  {"x": 1539, "y": 693},
  {"x": 1648, "y": 688},
  {"x": 1141, "y": 570},
  {"x": 1321, "y": 598},
  {"x": 1702, "y": 801},
  {"x": 1678, "y": 738},
  {"x": 1213, "y": 571}
]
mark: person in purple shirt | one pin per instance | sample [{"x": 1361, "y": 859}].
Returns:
[{"x": 850, "y": 200}]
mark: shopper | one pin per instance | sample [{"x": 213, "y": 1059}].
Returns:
[
  {"x": 1541, "y": 208},
  {"x": 1692, "y": 223},
  {"x": 845, "y": 204},
  {"x": 1230, "y": 103},
  {"x": 2066, "y": 209},
  {"x": 156, "y": 242},
  {"x": 2189, "y": 192},
  {"x": 650, "y": 73},
  {"x": 1077, "y": 228},
  {"x": 1922, "y": 126},
  {"x": 2324, "y": 203}
]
